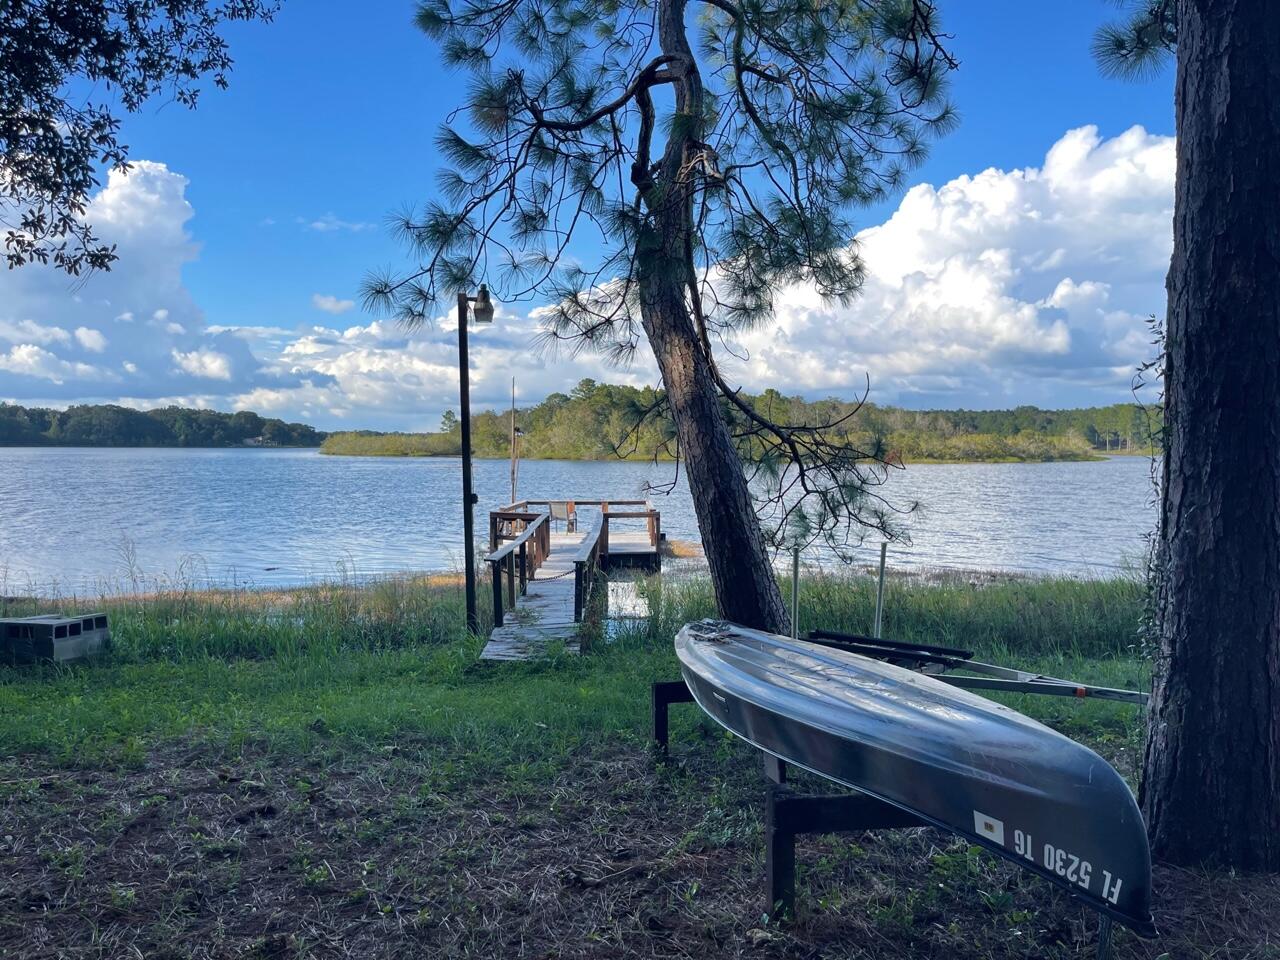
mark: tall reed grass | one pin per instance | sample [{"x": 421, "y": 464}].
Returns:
[
  {"x": 1034, "y": 617},
  {"x": 177, "y": 622}
]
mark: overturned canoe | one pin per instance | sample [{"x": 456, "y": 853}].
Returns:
[{"x": 957, "y": 760}]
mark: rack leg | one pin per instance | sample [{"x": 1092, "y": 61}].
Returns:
[
  {"x": 786, "y": 815},
  {"x": 1104, "y": 938},
  {"x": 775, "y": 770},
  {"x": 663, "y": 694},
  {"x": 779, "y": 860}
]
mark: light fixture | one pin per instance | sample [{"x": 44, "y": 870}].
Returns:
[{"x": 482, "y": 311}]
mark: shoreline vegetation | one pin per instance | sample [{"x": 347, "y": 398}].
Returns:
[
  {"x": 603, "y": 422},
  {"x": 110, "y": 425},
  {"x": 335, "y": 758}
]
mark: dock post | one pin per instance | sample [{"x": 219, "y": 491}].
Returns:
[
  {"x": 496, "y": 567},
  {"x": 524, "y": 569},
  {"x": 795, "y": 593},
  {"x": 577, "y": 591}
]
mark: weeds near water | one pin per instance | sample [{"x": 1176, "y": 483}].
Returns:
[
  {"x": 1026, "y": 617},
  {"x": 173, "y": 619}
]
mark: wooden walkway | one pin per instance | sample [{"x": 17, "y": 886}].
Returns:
[
  {"x": 542, "y": 580},
  {"x": 545, "y": 612}
]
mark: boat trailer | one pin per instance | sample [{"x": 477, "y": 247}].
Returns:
[{"x": 788, "y": 814}]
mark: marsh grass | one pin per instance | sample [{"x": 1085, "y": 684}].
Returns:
[{"x": 175, "y": 621}]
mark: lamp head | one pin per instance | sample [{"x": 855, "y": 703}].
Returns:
[{"x": 482, "y": 310}]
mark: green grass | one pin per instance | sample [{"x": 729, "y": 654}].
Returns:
[
  {"x": 355, "y": 667},
  {"x": 337, "y": 757},
  {"x": 364, "y": 444}
]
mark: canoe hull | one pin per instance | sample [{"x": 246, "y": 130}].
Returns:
[{"x": 956, "y": 760}]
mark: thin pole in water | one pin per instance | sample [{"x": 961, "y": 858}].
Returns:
[
  {"x": 884, "y": 548},
  {"x": 795, "y": 593},
  {"x": 515, "y": 457}
]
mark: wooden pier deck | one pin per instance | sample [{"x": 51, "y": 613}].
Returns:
[
  {"x": 542, "y": 580},
  {"x": 544, "y": 613}
]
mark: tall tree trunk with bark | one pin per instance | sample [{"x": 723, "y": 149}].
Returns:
[
  {"x": 746, "y": 588},
  {"x": 1211, "y": 793}
]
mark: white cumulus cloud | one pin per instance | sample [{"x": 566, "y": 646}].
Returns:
[
  {"x": 138, "y": 314},
  {"x": 204, "y": 363},
  {"x": 332, "y": 224},
  {"x": 331, "y": 304},
  {"x": 999, "y": 287},
  {"x": 31, "y": 361},
  {"x": 1004, "y": 287},
  {"x": 28, "y": 331},
  {"x": 91, "y": 339}
]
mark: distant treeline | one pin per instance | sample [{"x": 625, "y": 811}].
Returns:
[
  {"x": 108, "y": 425},
  {"x": 598, "y": 422}
]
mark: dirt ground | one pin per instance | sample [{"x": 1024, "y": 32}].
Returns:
[{"x": 409, "y": 850}]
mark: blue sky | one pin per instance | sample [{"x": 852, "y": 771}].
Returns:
[{"x": 328, "y": 126}]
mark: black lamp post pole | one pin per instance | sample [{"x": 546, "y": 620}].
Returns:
[{"x": 468, "y": 498}]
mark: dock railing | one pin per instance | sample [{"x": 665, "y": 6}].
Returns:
[
  {"x": 520, "y": 540},
  {"x": 528, "y": 542},
  {"x": 652, "y": 518},
  {"x": 586, "y": 565},
  {"x": 609, "y": 510}
]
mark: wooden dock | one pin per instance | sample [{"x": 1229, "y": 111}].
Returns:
[{"x": 542, "y": 579}]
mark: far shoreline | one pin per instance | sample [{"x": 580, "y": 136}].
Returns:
[{"x": 1097, "y": 457}]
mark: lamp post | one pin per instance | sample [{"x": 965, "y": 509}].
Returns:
[{"x": 483, "y": 313}]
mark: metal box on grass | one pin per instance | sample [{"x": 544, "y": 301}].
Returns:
[{"x": 50, "y": 637}]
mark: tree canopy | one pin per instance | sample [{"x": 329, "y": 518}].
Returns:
[
  {"x": 109, "y": 425},
  {"x": 665, "y": 171},
  {"x": 598, "y": 421},
  {"x": 68, "y": 68}
]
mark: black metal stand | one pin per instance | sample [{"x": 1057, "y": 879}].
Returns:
[
  {"x": 787, "y": 815},
  {"x": 665, "y": 693}
]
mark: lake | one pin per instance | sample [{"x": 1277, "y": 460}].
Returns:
[{"x": 86, "y": 520}]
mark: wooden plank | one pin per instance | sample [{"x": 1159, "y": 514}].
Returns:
[{"x": 545, "y": 613}]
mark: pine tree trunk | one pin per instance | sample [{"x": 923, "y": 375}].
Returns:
[
  {"x": 1211, "y": 792},
  {"x": 746, "y": 588},
  {"x": 745, "y": 585}
]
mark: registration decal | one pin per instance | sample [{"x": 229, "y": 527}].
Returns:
[{"x": 989, "y": 828}]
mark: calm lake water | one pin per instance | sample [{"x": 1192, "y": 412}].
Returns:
[{"x": 89, "y": 519}]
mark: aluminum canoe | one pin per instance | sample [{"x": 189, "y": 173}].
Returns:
[{"x": 955, "y": 759}]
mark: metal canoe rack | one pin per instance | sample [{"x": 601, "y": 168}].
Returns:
[{"x": 788, "y": 815}]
